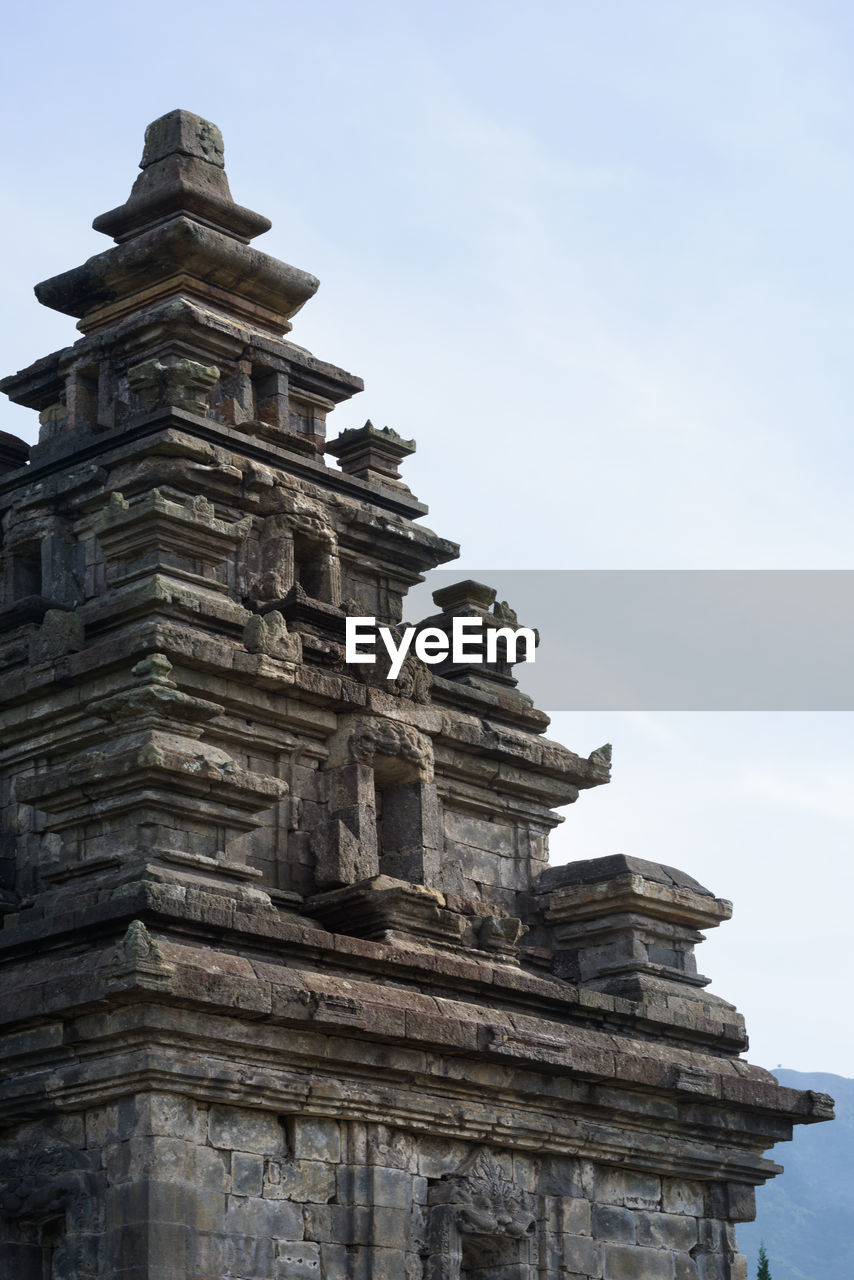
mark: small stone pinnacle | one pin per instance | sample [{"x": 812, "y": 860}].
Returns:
[{"x": 181, "y": 132}]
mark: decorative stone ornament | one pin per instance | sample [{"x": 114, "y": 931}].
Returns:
[
  {"x": 481, "y": 1223},
  {"x": 371, "y": 454},
  {"x": 184, "y": 383}
]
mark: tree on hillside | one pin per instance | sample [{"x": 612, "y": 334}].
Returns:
[{"x": 762, "y": 1272}]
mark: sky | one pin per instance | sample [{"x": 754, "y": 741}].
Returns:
[{"x": 596, "y": 259}]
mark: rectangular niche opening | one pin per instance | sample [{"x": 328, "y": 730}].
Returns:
[
  {"x": 25, "y": 571},
  {"x": 398, "y": 804},
  {"x": 311, "y": 567},
  {"x": 492, "y": 1258}
]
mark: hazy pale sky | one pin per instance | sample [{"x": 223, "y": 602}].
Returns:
[{"x": 596, "y": 259}]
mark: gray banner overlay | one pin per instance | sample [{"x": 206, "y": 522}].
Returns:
[{"x": 677, "y": 640}]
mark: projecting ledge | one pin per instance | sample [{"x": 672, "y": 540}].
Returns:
[
  {"x": 629, "y": 926},
  {"x": 584, "y": 890}
]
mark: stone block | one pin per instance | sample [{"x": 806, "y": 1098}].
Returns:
[
  {"x": 209, "y": 1209},
  {"x": 34, "y": 1039},
  {"x": 448, "y": 1031},
  {"x": 125, "y": 1204},
  {"x": 123, "y": 1161},
  {"x": 666, "y": 1230},
  {"x": 297, "y": 1260},
  {"x": 479, "y": 833},
  {"x": 221, "y": 1255},
  {"x": 560, "y": 1176},
  {"x": 581, "y": 1254},
  {"x": 513, "y": 873},
  {"x": 350, "y": 786},
  {"x": 354, "y": 1184},
  {"x": 575, "y": 1216},
  {"x": 253, "y": 1216},
  {"x": 390, "y": 1227},
  {"x": 61, "y": 632},
  {"x": 239, "y": 1129},
  {"x": 712, "y": 1267},
  {"x": 80, "y": 1258},
  {"x": 170, "y": 1202},
  {"x": 144, "y": 1272},
  {"x": 435, "y": 1159},
  {"x": 210, "y": 1169},
  {"x": 611, "y": 1222},
  {"x": 740, "y": 1204},
  {"x": 71, "y": 1130},
  {"x": 335, "y": 1261},
  {"x": 247, "y": 1174},
  {"x": 683, "y": 1197},
  {"x": 166, "y": 1159},
  {"x": 316, "y": 1139},
  {"x": 713, "y": 1237},
  {"x": 525, "y": 1173},
  {"x": 172, "y": 1115},
  {"x": 391, "y": 1188},
  {"x": 172, "y": 1159},
  {"x": 338, "y": 1224},
  {"x": 388, "y": 1264},
  {"x": 102, "y": 1126},
  {"x": 169, "y": 1244},
  {"x": 307, "y": 1181},
  {"x": 624, "y": 1186},
  {"x": 626, "y": 1262}
]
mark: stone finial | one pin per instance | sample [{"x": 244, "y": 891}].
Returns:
[
  {"x": 182, "y": 133},
  {"x": 181, "y": 235},
  {"x": 183, "y": 172},
  {"x": 138, "y": 955},
  {"x": 601, "y": 758},
  {"x": 466, "y": 597},
  {"x": 370, "y": 453},
  {"x": 472, "y": 599}
]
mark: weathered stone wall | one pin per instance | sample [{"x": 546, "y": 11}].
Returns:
[{"x": 218, "y": 1190}]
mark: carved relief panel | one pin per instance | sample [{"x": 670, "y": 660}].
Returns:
[{"x": 481, "y": 1225}]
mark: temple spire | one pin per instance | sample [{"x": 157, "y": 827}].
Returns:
[
  {"x": 180, "y": 234},
  {"x": 183, "y": 173}
]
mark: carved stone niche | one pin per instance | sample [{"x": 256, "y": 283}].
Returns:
[
  {"x": 298, "y": 548},
  {"x": 383, "y": 811},
  {"x": 481, "y": 1226},
  {"x": 50, "y": 1207}
]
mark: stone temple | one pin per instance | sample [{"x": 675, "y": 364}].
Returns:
[{"x": 290, "y": 991}]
